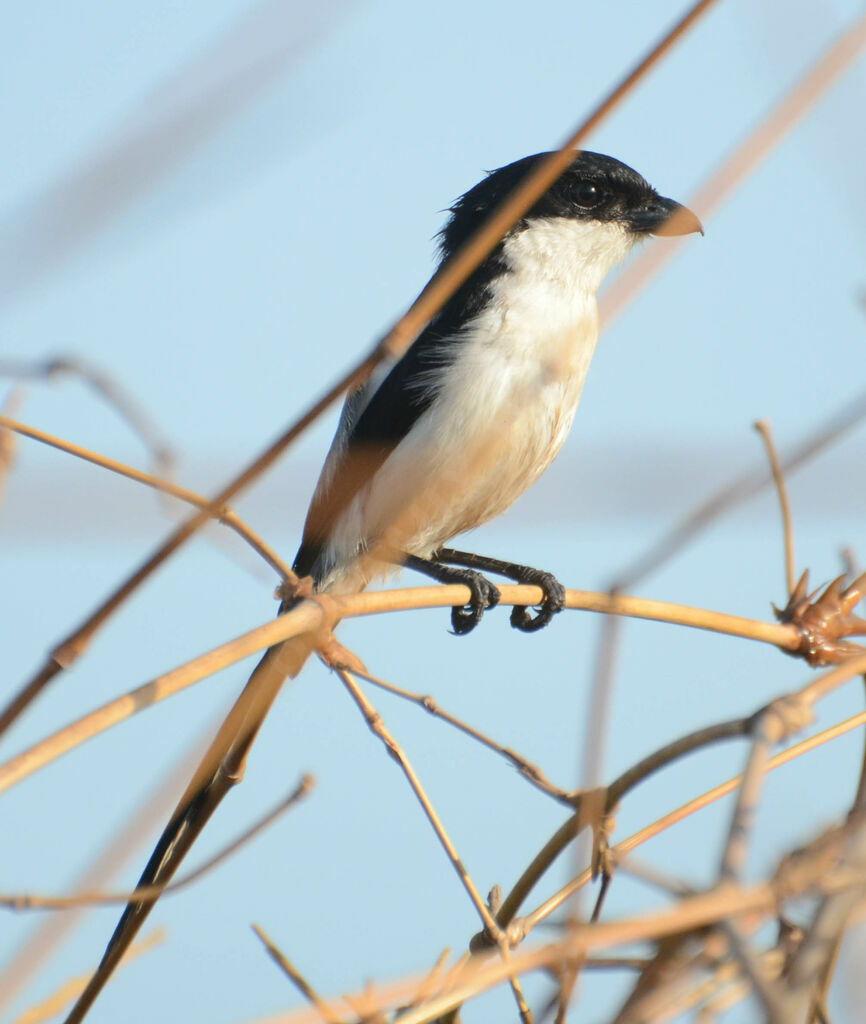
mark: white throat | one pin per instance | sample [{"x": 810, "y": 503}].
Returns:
[{"x": 570, "y": 254}]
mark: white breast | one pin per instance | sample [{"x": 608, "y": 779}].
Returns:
[{"x": 503, "y": 407}]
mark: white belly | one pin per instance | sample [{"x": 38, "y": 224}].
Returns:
[
  {"x": 502, "y": 409},
  {"x": 501, "y": 416}
]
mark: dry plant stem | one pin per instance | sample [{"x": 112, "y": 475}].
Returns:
[
  {"x": 11, "y": 405},
  {"x": 654, "y": 876},
  {"x": 767, "y": 730},
  {"x": 144, "y": 893},
  {"x": 56, "y": 1003},
  {"x": 428, "y": 986},
  {"x": 732, "y": 729},
  {"x": 612, "y": 795},
  {"x": 459, "y": 984},
  {"x": 820, "y": 687},
  {"x": 745, "y": 159},
  {"x": 108, "y": 389},
  {"x": 764, "y": 429},
  {"x": 780, "y": 635},
  {"x": 693, "y": 913},
  {"x": 621, "y": 849},
  {"x": 380, "y": 730},
  {"x": 769, "y": 992},
  {"x": 220, "y": 769},
  {"x": 740, "y": 490},
  {"x": 313, "y": 616},
  {"x": 226, "y": 515},
  {"x": 693, "y": 525},
  {"x": 33, "y": 953},
  {"x": 822, "y": 988},
  {"x": 649, "y": 1003},
  {"x": 307, "y": 616},
  {"x": 662, "y": 970},
  {"x": 526, "y": 768},
  {"x": 295, "y": 977},
  {"x": 724, "y": 988},
  {"x": 816, "y": 958},
  {"x": 393, "y": 344}
]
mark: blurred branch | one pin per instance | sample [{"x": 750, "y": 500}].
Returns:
[
  {"x": 766, "y": 432},
  {"x": 295, "y": 977},
  {"x": 742, "y": 163},
  {"x": 55, "y": 1003},
  {"x": 225, "y": 515},
  {"x": 145, "y": 893},
  {"x": 151, "y": 140},
  {"x": 107, "y": 388},
  {"x": 10, "y": 406},
  {"x": 19, "y": 969},
  {"x": 567, "y": 831}
]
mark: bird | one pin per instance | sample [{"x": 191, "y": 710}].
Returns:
[{"x": 444, "y": 439}]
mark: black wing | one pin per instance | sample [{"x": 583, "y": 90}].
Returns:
[
  {"x": 402, "y": 397},
  {"x": 409, "y": 389}
]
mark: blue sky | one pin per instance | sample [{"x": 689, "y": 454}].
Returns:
[{"x": 229, "y": 269}]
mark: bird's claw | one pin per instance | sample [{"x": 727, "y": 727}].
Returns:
[
  {"x": 484, "y": 595},
  {"x": 552, "y": 602},
  {"x": 824, "y": 621}
]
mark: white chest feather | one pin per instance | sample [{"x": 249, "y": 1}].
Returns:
[{"x": 506, "y": 402}]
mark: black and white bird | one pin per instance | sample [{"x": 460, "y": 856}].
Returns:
[{"x": 450, "y": 435}]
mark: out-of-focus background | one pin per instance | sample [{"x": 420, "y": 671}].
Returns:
[{"x": 220, "y": 205}]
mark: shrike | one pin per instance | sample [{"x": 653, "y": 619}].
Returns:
[{"x": 450, "y": 435}]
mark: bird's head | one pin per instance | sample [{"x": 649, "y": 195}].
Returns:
[{"x": 616, "y": 205}]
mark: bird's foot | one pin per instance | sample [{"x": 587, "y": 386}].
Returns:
[
  {"x": 553, "y": 599},
  {"x": 484, "y": 594},
  {"x": 552, "y": 602}
]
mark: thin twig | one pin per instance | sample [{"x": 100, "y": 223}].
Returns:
[
  {"x": 225, "y": 515},
  {"x": 526, "y": 768},
  {"x": 625, "y": 846},
  {"x": 10, "y": 406},
  {"x": 33, "y": 952},
  {"x": 654, "y": 876},
  {"x": 380, "y": 730},
  {"x": 145, "y": 893},
  {"x": 766, "y": 432},
  {"x": 295, "y": 976},
  {"x": 56, "y": 1002},
  {"x": 428, "y": 986},
  {"x": 744, "y": 161},
  {"x": 767, "y": 730},
  {"x": 732, "y": 729},
  {"x": 106, "y": 387},
  {"x": 768, "y": 990}
]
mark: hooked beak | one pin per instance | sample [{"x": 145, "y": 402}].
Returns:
[{"x": 663, "y": 217}]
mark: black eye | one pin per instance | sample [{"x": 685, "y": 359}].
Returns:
[{"x": 587, "y": 194}]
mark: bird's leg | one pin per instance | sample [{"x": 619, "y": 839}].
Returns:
[
  {"x": 484, "y": 593},
  {"x": 553, "y": 590}
]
